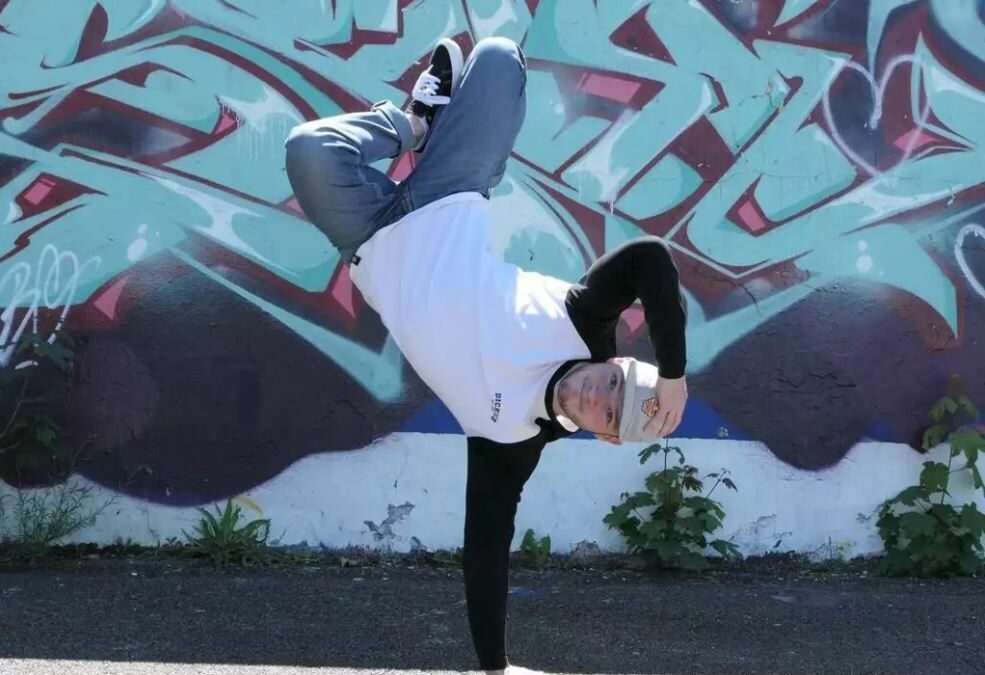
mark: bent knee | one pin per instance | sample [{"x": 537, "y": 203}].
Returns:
[
  {"x": 499, "y": 52},
  {"x": 296, "y": 144},
  {"x": 312, "y": 149},
  {"x": 302, "y": 139}
]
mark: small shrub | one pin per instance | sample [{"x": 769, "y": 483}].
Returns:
[
  {"x": 219, "y": 538},
  {"x": 445, "y": 557},
  {"x": 124, "y": 548},
  {"x": 34, "y": 378},
  {"x": 671, "y": 520},
  {"x": 537, "y": 551},
  {"x": 34, "y": 520},
  {"x": 45, "y": 505},
  {"x": 923, "y": 532}
]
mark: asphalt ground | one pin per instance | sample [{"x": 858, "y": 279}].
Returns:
[{"x": 110, "y": 617}]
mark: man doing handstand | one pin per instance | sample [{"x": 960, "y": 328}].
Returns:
[{"x": 519, "y": 358}]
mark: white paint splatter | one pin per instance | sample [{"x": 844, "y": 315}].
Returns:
[
  {"x": 221, "y": 214},
  {"x": 138, "y": 248},
  {"x": 264, "y": 123},
  {"x": 600, "y": 163},
  {"x": 13, "y": 213},
  {"x": 487, "y": 26}
]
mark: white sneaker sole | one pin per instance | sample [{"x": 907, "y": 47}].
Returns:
[{"x": 457, "y": 60}]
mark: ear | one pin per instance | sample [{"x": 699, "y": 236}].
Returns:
[{"x": 614, "y": 440}]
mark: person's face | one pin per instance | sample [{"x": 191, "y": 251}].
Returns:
[{"x": 591, "y": 395}]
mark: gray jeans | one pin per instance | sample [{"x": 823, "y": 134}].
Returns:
[{"x": 328, "y": 160}]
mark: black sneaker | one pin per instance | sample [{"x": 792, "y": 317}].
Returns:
[{"x": 435, "y": 85}]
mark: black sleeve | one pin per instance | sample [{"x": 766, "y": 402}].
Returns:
[
  {"x": 643, "y": 269},
  {"x": 496, "y": 476}
]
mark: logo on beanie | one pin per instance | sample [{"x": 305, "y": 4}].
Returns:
[{"x": 650, "y": 407}]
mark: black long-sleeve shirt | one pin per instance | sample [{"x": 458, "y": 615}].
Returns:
[{"x": 641, "y": 269}]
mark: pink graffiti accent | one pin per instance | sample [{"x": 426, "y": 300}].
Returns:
[
  {"x": 40, "y": 189},
  {"x": 225, "y": 123},
  {"x": 922, "y": 138},
  {"x": 342, "y": 291},
  {"x": 751, "y": 218},
  {"x": 108, "y": 299},
  {"x": 292, "y": 204},
  {"x": 403, "y": 167},
  {"x": 44, "y": 193},
  {"x": 607, "y": 86},
  {"x": 633, "y": 318}
]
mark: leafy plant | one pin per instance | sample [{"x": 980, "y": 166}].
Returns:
[
  {"x": 220, "y": 538},
  {"x": 537, "y": 551},
  {"x": 35, "y": 376},
  {"x": 923, "y": 532},
  {"x": 45, "y": 506},
  {"x": 671, "y": 520}
]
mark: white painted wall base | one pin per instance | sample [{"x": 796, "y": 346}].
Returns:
[{"x": 324, "y": 500}]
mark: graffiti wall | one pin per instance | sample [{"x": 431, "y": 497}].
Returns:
[{"x": 817, "y": 165}]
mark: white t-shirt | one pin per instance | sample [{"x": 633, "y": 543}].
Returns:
[{"x": 483, "y": 334}]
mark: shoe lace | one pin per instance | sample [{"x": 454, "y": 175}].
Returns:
[{"x": 427, "y": 84}]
